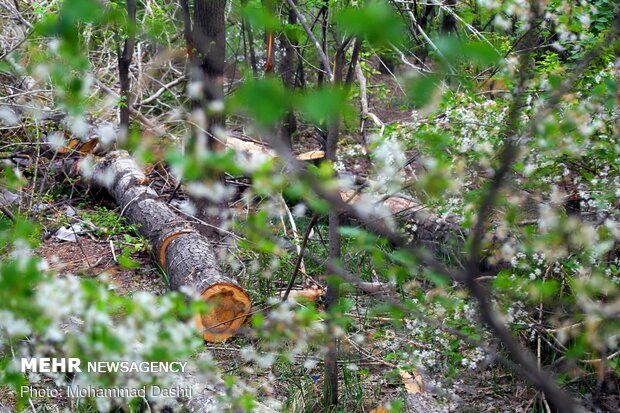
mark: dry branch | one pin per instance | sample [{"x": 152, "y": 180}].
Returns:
[{"x": 184, "y": 253}]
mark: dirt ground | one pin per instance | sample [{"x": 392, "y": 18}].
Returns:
[{"x": 91, "y": 257}]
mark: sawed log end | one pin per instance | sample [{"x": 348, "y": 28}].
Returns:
[{"x": 229, "y": 306}]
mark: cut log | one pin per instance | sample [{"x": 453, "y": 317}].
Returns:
[
  {"x": 249, "y": 148},
  {"x": 312, "y": 293},
  {"x": 439, "y": 234},
  {"x": 186, "y": 255},
  {"x": 427, "y": 228}
]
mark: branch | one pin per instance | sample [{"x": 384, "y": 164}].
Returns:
[
  {"x": 522, "y": 356},
  {"x": 317, "y": 45},
  {"x": 302, "y": 249},
  {"x": 8, "y": 213},
  {"x": 161, "y": 90}
]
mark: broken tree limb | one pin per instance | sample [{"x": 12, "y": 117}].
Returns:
[{"x": 184, "y": 253}]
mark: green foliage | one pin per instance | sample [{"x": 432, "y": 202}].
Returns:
[
  {"x": 110, "y": 324},
  {"x": 478, "y": 52},
  {"x": 260, "y": 17},
  {"x": 421, "y": 89},
  {"x": 266, "y": 100},
  {"x": 375, "y": 21},
  {"x": 323, "y": 104}
]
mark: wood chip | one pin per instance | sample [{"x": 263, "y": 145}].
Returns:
[{"x": 413, "y": 382}]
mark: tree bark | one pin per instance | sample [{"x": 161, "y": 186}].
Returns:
[
  {"x": 287, "y": 71},
  {"x": 124, "y": 61},
  {"x": 186, "y": 256},
  {"x": 332, "y": 293},
  {"x": 209, "y": 38},
  {"x": 246, "y": 29},
  {"x": 448, "y": 23},
  {"x": 187, "y": 26}
]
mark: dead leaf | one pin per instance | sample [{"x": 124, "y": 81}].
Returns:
[
  {"x": 379, "y": 409},
  {"x": 89, "y": 147},
  {"x": 69, "y": 146},
  {"x": 413, "y": 382}
]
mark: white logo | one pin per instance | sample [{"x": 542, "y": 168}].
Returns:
[{"x": 50, "y": 365}]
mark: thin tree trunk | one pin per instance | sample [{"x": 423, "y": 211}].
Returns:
[
  {"x": 209, "y": 36},
  {"x": 187, "y": 26},
  {"x": 124, "y": 61},
  {"x": 332, "y": 294},
  {"x": 247, "y": 30},
  {"x": 323, "y": 42},
  {"x": 448, "y": 23},
  {"x": 287, "y": 70}
]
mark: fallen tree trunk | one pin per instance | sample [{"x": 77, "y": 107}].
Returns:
[
  {"x": 185, "y": 255},
  {"x": 438, "y": 234}
]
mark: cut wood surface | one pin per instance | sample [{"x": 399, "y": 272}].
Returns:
[
  {"x": 248, "y": 147},
  {"x": 186, "y": 255}
]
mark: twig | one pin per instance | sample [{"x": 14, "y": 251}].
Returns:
[
  {"x": 80, "y": 246},
  {"x": 160, "y": 92},
  {"x": 302, "y": 249},
  {"x": 294, "y": 230},
  {"x": 315, "y": 42},
  {"x": 364, "y": 99},
  {"x": 113, "y": 253},
  {"x": 8, "y": 213}
]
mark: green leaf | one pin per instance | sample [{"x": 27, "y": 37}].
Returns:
[
  {"x": 322, "y": 104},
  {"x": 261, "y": 18},
  {"x": 376, "y": 22},
  {"x": 294, "y": 32},
  {"x": 421, "y": 89},
  {"x": 478, "y": 52},
  {"x": 126, "y": 262},
  {"x": 81, "y": 10},
  {"x": 265, "y": 99}
]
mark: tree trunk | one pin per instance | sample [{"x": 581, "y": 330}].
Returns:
[
  {"x": 332, "y": 293},
  {"x": 187, "y": 26},
  {"x": 124, "y": 61},
  {"x": 246, "y": 29},
  {"x": 209, "y": 37},
  {"x": 185, "y": 255},
  {"x": 287, "y": 70},
  {"x": 209, "y": 41},
  {"x": 448, "y": 23}
]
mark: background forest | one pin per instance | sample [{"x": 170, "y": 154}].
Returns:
[{"x": 343, "y": 206}]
